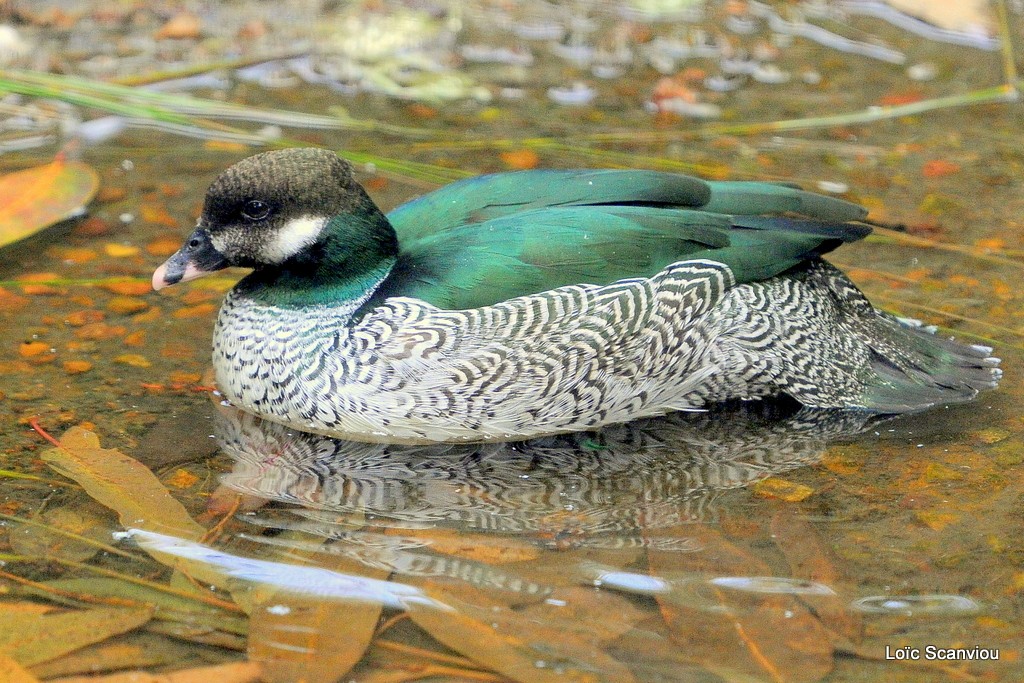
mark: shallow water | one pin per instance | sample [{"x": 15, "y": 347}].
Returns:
[{"x": 766, "y": 544}]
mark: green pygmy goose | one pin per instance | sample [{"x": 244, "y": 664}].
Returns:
[{"x": 515, "y": 305}]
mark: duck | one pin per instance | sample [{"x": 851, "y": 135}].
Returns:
[{"x": 516, "y": 305}]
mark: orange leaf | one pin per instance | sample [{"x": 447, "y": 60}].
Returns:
[
  {"x": 122, "y": 484},
  {"x": 231, "y": 672},
  {"x": 525, "y": 649},
  {"x": 79, "y": 524},
  {"x": 24, "y": 608},
  {"x": 314, "y": 639},
  {"x": 476, "y": 547},
  {"x": 520, "y": 159},
  {"x": 34, "y": 638},
  {"x": 182, "y": 479},
  {"x": 38, "y": 197},
  {"x": 937, "y": 168},
  {"x": 897, "y": 98},
  {"x": 130, "y": 489},
  {"x": 810, "y": 559},
  {"x": 35, "y": 348},
  {"x": 12, "y": 672},
  {"x": 768, "y": 637},
  {"x": 782, "y": 489}
]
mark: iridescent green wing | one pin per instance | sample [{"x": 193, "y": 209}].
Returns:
[
  {"x": 596, "y": 227},
  {"x": 483, "y": 198}
]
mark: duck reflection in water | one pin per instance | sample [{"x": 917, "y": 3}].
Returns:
[{"x": 601, "y": 488}]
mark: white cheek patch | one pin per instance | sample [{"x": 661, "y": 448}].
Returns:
[
  {"x": 294, "y": 236},
  {"x": 220, "y": 242}
]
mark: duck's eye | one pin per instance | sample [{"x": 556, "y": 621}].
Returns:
[{"x": 255, "y": 210}]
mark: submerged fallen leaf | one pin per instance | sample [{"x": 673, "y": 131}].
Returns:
[
  {"x": 198, "y": 635},
  {"x": 991, "y": 435},
  {"x": 127, "y": 287},
  {"x": 180, "y": 27},
  {"x": 740, "y": 635},
  {"x": 9, "y": 301},
  {"x": 477, "y": 547},
  {"x": 197, "y": 311},
  {"x": 302, "y": 637},
  {"x": 116, "y": 250},
  {"x": 46, "y": 539},
  {"x": 840, "y": 463},
  {"x": 130, "y": 489},
  {"x": 122, "y": 484},
  {"x": 12, "y": 672},
  {"x": 782, "y": 489},
  {"x": 73, "y": 255},
  {"x": 138, "y": 337},
  {"x": 182, "y": 479},
  {"x": 515, "y": 645},
  {"x": 77, "y": 367},
  {"x": 126, "y": 305},
  {"x": 938, "y": 168},
  {"x": 32, "y": 638},
  {"x": 664, "y": 660},
  {"x": 24, "y": 608},
  {"x": 32, "y": 349},
  {"x": 86, "y": 317},
  {"x": 520, "y": 159},
  {"x": 163, "y": 247},
  {"x": 312, "y": 639},
  {"x": 138, "y": 650},
  {"x": 93, "y": 226},
  {"x": 233, "y": 672},
  {"x": 99, "y": 331},
  {"x": 38, "y": 197},
  {"x": 168, "y": 606},
  {"x": 937, "y": 521},
  {"x": 408, "y": 672},
  {"x": 583, "y": 611},
  {"x": 133, "y": 359},
  {"x": 810, "y": 559}
]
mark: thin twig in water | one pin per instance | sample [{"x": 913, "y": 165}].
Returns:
[
  {"x": 163, "y": 588},
  {"x": 71, "y": 595},
  {"x": 34, "y": 424},
  {"x": 214, "y": 532},
  {"x": 880, "y": 234},
  {"x": 954, "y": 316},
  {"x": 9, "y": 474},
  {"x": 1006, "y": 46}
]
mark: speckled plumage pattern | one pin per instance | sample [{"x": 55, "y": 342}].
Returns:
[{"x": 568, "y": 359}]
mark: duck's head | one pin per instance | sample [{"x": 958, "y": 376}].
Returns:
[{"x": 266, "y": 211}]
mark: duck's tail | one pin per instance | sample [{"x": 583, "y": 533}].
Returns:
[
  {"x": 908, "y": 366},
  {"x": 913, "y": 368},
  {"x": 828, "y": 347}
]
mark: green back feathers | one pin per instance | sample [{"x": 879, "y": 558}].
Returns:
[
  {"x": 482, "y": 198},
  {"x": 491, "y": 238},
  {"x": 753, "y": 198},
  {"x": 480, "y": 264}
]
